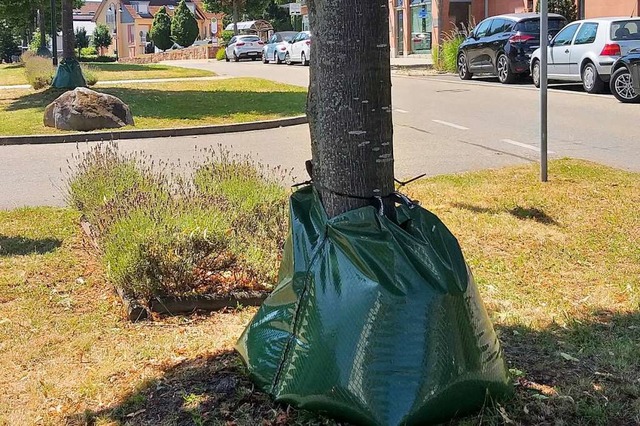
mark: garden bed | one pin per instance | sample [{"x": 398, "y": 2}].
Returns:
[{"x": 174, "y": 244}]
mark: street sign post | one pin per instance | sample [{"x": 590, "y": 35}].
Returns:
[{"x": 544, "y": 42}]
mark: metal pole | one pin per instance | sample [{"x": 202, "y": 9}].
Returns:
[
  {"x": 544, "y": 42},
  {"x": 54, "y": 34}
]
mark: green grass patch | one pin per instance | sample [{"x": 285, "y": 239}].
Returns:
[
  {"x": 166, "y": 105},
  {"x": 13, "y": 74},
  {"x": 557, "y": 265}
]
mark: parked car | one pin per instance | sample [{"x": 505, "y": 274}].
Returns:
[
  {"x": 275, "y": 49},
  {"x": 299, "y": 49},
  {"x": 585, "y": 51},
  {"x": 502, "y": 45},
  {"x": 243, "y": 47},
  {"x": 625, "y": 77}
]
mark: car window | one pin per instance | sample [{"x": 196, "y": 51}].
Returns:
[
  {"x": 483, "y": 28},
  {"x": 251, "y": 38},
  {"x": 288, "y": 37},
  {"x": 564, "y": 37},
  {"x": 275, "y": 39},
  {"x": 587, "y": 33},
  {"x": 233, "y": 40},
  {"x": 625, "y": 30},
  {"x": 497, "y": 27},
  {"x": 533, "y": 25}
]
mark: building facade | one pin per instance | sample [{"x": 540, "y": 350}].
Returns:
[
  {"x": 416, "y": 26},
  {"x": 130, "y": 22}
]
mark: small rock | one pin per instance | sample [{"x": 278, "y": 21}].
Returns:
[{"x": 85, "y": 109}]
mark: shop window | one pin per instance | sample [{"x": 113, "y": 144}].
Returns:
[{"x": 421, "y": 26}]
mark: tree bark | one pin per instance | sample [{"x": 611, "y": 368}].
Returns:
[
  {"x": 349, "y": 104},
  {"x": 68, "y": 36},
  {"x": 235, "y": 17}
]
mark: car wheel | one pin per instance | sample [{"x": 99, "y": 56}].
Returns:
[
  {"x": 265, "y": 60},
  {"x": 235, "y": 57},
  {"x": 622, "y": 86},
  {"x": 591, "y": 81},
  {"x": 463, "y": 69},
  {"x": 303, "y": 59},
  {"x": 505, "y": 75},
  {"x": 287, "y": 59},
  {"x": 535, "y": 73},
  {"x": 276, "y": 58},
  {"x": 226, "y": 58},
  {"x": 254, "y": 58}
]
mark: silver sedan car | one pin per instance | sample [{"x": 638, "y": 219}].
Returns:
[
  {"x": 244, "y": 47},
  {"x": 584, "y": 51}
]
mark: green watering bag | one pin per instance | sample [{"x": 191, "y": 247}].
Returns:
[{"x": 373, "y": 322}]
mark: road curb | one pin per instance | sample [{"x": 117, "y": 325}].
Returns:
[
  {"x": 412, "y": 67},
  {"x": 154, "y": 133}
]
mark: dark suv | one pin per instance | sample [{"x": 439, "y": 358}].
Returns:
[{"x": 502, "y": 45}]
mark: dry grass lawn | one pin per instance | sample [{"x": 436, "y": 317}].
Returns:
[{"x": 558, "y": 265}]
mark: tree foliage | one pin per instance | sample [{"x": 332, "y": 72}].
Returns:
[
  {"x": 278, "y": 17},
  {"x": 566, "y": 8},
  {"x": 161, "y": 30},
  {"x": 82, "y": 39},
  {"x": 184, "y": 27},
  {"x": 8, "y": 43},
  {"x": 102, "y": 36},
  {"x": 252, "y": 8}
]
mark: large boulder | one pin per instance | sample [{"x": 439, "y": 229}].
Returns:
[{"x": 85, "y": 109}]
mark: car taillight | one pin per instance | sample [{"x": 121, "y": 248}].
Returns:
[
  {"x": 308, "y": 42},
  {"x": 240, "y": 44},
  {"x": 283, "y": 48},
  {"x": 261, "y": 42},
  {"x": 611, "y": 50},
  {"x": 520, "y": 38}
]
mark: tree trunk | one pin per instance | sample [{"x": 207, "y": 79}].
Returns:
[
  {"x": 349, "y": 104},
  {"x": 68, "y": 36},
  {"x": 42, "y": 29},
  {"x": 235, "y": 17}
]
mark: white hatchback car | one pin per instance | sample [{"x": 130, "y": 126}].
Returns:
[
  {"x": 585, "y": 51},
  {"x": 299, "y": 49},
  {"x": 244, "y": 47}
]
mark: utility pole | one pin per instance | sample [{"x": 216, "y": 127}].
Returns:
[
  {"x": 54, "y": 34},
  {"x": 544, "y": 42}
]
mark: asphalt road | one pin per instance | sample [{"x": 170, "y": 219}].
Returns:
[{"x": 442, "y": 125}]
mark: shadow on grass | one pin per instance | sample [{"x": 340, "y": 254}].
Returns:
[
  {"x": 21, "y": 246},
  {"x": 585, "y": 373},
  {"x": 211, "y": 390},
  {"x": 524, "y": 213},
  {"x": 188, "y": 104},
  {"x": 111, "y": 67}
]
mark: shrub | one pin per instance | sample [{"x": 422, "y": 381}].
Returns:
[
  {"x": 97, "y": 59},
  {"x": 226, "y": 36},
  {"x": 445, "y": 57},
  {"x": 184, "y": 27},
  {"x": 161, "y": 30},
  {"x": 566, "y": 8},
  {"x": 8, "y": 43},
  {"x": 89, "y": 51},
  {"x": 35, "y": 43},
  {"x": 39, "y": 71},
  {"x": 220, "y": 54},
  {"x": 163, "y": 234}
]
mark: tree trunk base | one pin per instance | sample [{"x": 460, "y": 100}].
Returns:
[
  {"x": 44, "y": 52},
  {"x": 69, "y": 75}
]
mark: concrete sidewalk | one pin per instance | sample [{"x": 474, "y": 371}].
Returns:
[{"x": 412, "y": 61}]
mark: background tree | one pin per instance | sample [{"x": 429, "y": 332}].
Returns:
[
  {"x": 278, "y": 17},
  {"x": 161, "y": 30},
  {"x": 566, "y": 8},
  {"x": 69, "y": 74},
  {"x": 102, "y": 37},
  {"x": 82, "y": 39},
  {"x": 8, "y": 43},
  {"x": 350, "y": 118},
  {"x": 252, "y": 8},
  {"x": 184, "y": 27}
]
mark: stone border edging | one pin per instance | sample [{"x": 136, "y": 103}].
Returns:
[{"x": 153, "y": 133}]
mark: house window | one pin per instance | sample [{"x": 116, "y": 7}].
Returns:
[
  {"x": 130, "y": 34},
  {"x": 111, "y": 17},
  {"x": 421, "y": 26}
]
